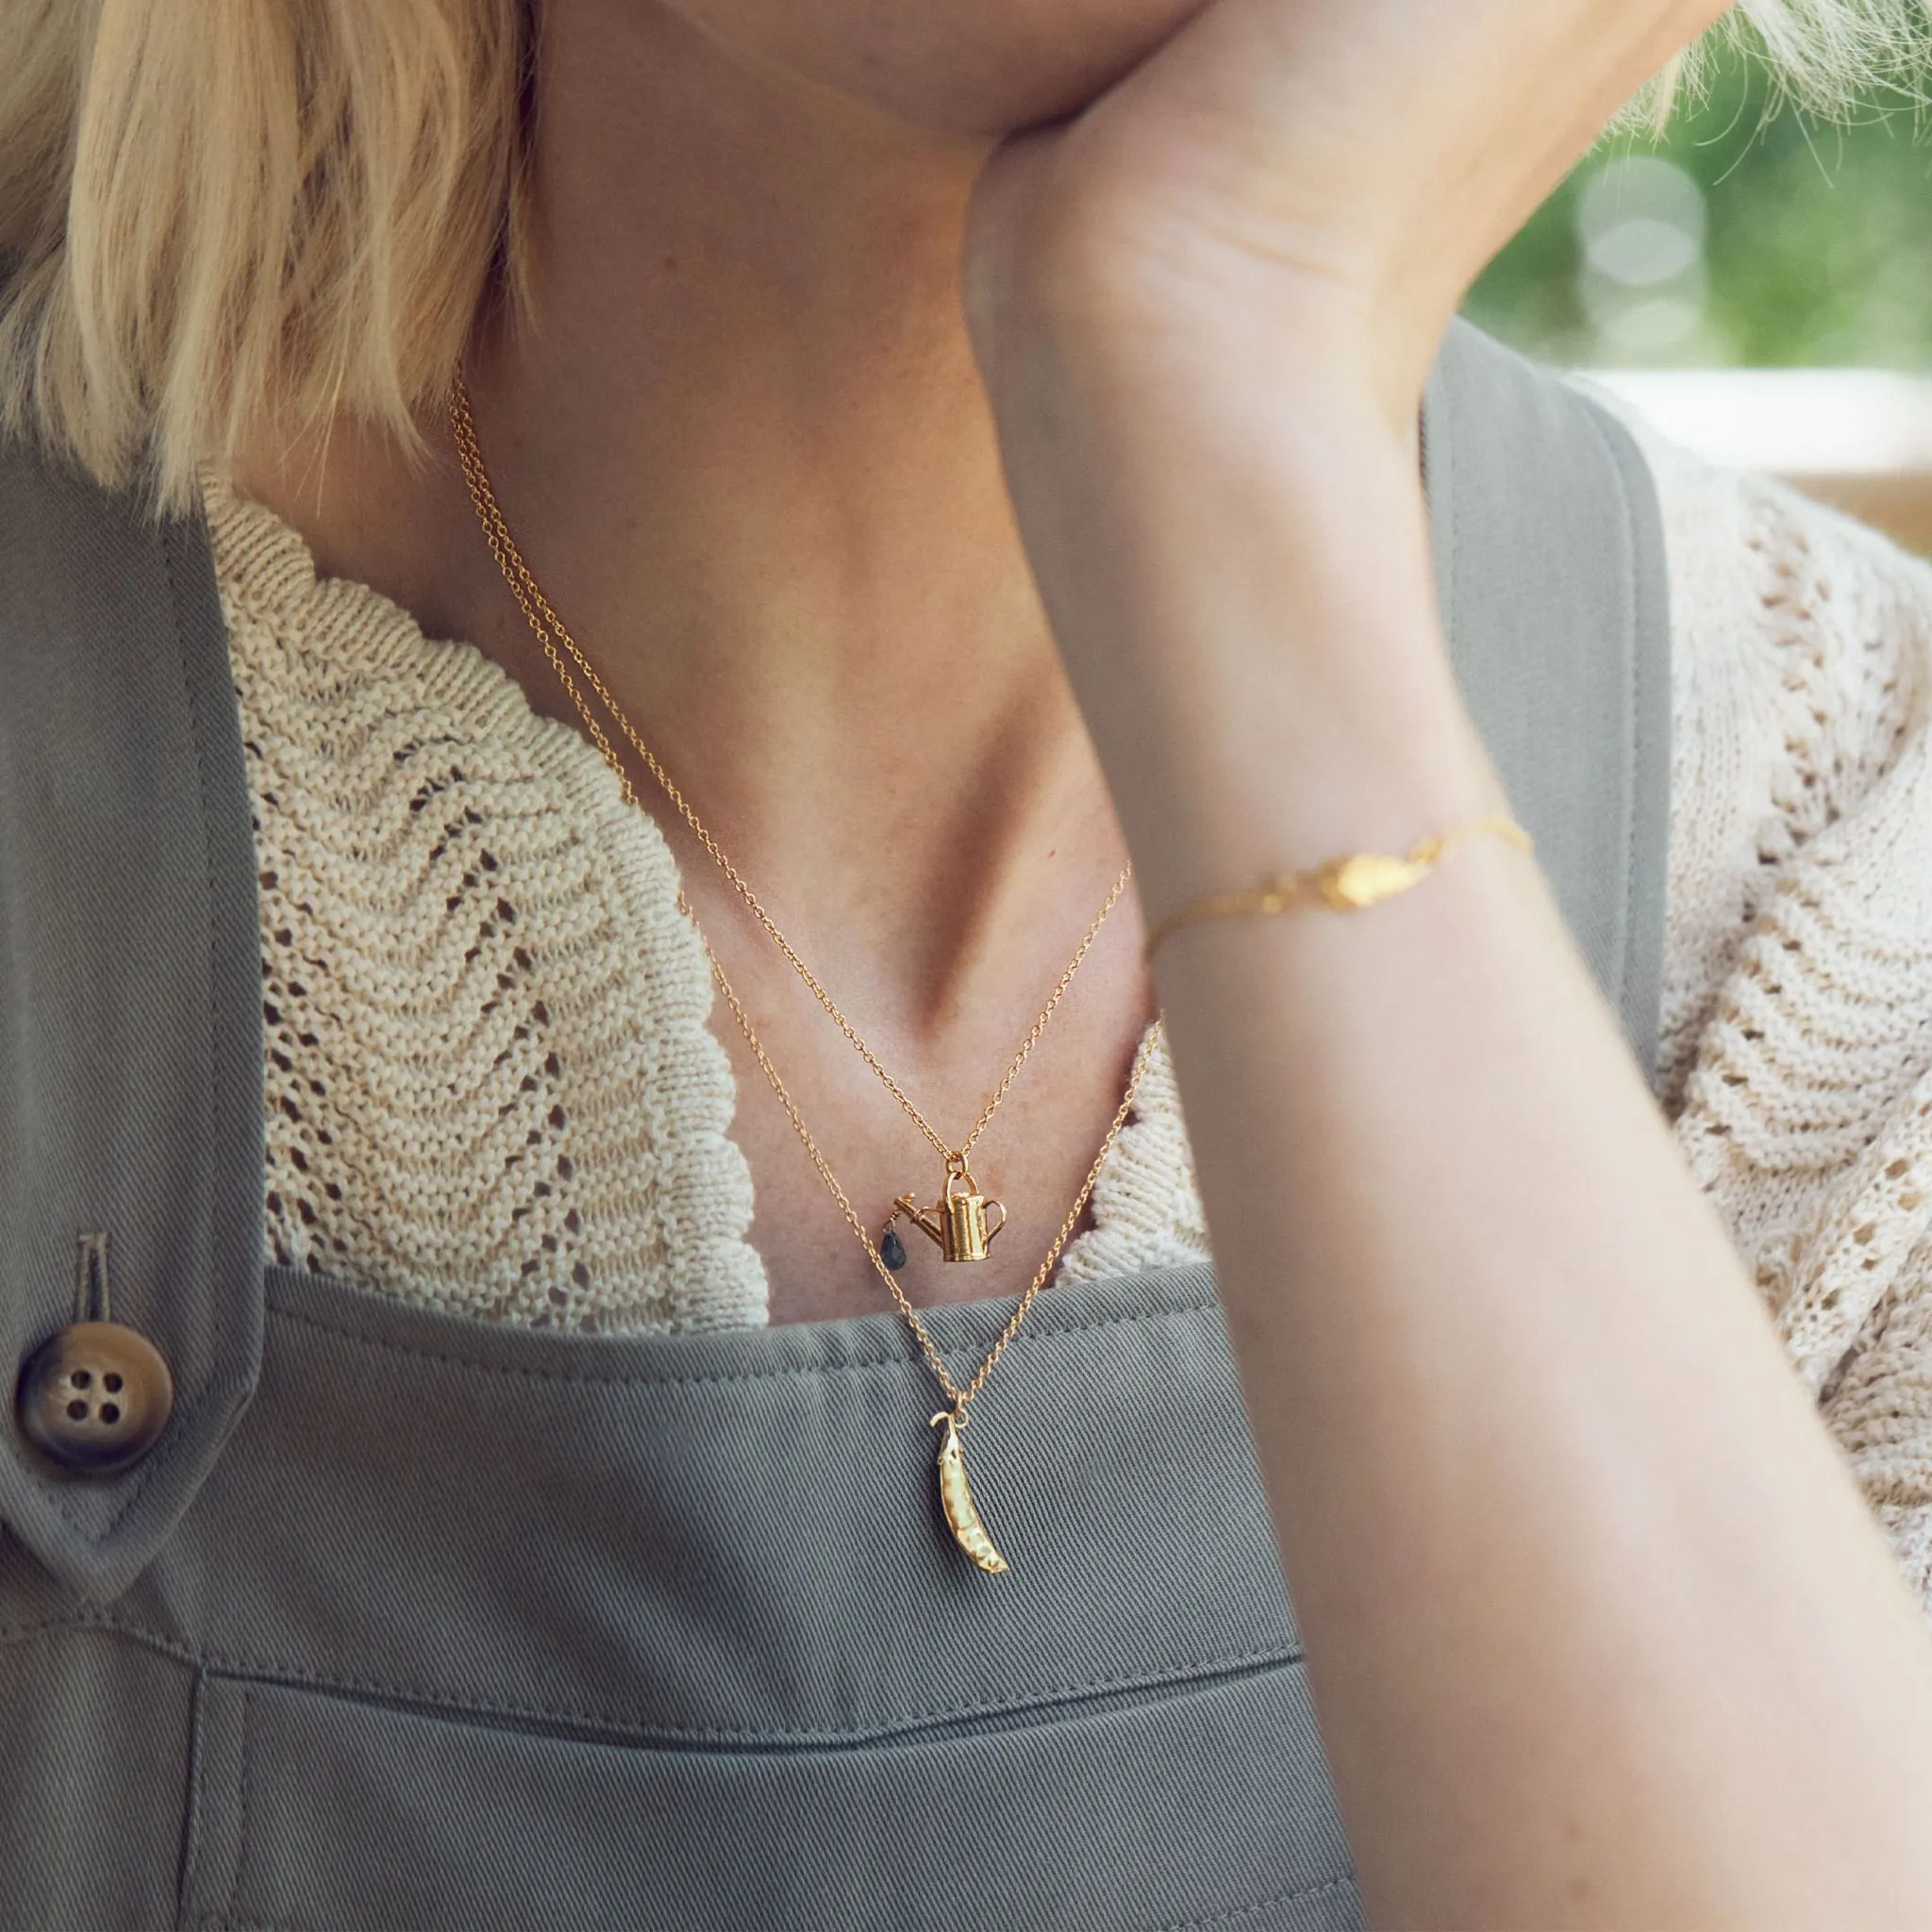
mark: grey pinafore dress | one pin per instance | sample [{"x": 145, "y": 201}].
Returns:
[{"x": 407, "y": 1620}]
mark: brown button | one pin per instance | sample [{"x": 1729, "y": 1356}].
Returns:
[{"x": 95, "y": 1397}]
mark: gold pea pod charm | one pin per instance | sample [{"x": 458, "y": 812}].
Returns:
[
  {"x": 956, "y": 1497},
  {"x": 956, "y": 1222}
]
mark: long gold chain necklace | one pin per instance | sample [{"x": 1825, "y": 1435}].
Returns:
[
  {"x": 956, "y": 1493},
  {"x": 958, "y": 1222}
]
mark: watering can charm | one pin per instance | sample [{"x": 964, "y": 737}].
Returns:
[{"x": 955, "y": 1223}]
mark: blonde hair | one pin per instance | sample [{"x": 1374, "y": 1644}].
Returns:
[{"x": 225, "y": 209}]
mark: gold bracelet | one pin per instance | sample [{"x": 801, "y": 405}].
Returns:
[{"x": 1345, "y": 885}]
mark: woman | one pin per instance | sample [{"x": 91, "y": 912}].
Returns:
[{"x": 976, "y": 448}]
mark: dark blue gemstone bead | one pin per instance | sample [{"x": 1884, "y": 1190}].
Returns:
[{"x": 893, "y": 1250}]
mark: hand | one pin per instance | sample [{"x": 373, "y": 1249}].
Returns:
[
  {"x": 1345, "y": 167},
  {"x": 1205, "y": 308}
]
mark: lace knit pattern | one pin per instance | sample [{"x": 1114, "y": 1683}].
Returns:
[
  {"x": 1797, "y": 1062},
  {"x": 491, "y": 1083}
]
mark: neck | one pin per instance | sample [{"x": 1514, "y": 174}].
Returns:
[{"x": 742, "y": 443}]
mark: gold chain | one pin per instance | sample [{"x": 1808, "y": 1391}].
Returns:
[
  {"x": 550, "y": 631},
  {"x": 956, "y": 1496},
  {"x": 1351, "y": 883},
  {"x": 956, "y": 1396}
]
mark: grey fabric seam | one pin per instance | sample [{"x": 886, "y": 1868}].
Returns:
[
  {"x": 1191, "y": 1671},
  {"x": 248, "y": 1776},
  {"x": 813, "y": 1371},
  {"x": 1647, "y": 753},
  {"x": 204, "y": 789},
  {"x": 180, "y": 1431},
  {"x": 157, "y": 1460},
  {"x": 197, "y": 1795},
  {"x": 1633, "y": 859},
  {"x": 1647, "y": 771}
]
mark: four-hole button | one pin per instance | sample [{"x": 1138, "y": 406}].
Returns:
[{"x": 95, "y": 1397}]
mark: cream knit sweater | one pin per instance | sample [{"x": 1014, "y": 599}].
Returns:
[{"x": 491, "y": 1086}]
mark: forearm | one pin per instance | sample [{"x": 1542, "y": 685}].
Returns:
[{"x": 1593, "y": 1612}]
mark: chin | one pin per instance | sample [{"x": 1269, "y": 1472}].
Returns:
[{"x": 970, "y": 68}]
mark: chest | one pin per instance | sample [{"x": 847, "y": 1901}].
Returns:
[
  {"x": 436, "y": 1621},
  {"x": 1032, "y": 1171}
]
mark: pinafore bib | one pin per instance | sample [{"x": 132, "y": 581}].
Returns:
[{"x": 406, "y": 1619}]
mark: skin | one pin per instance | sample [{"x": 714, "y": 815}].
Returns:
[
  {"x": 748, "y": 451},
  {"x": 833, "y": 391}
]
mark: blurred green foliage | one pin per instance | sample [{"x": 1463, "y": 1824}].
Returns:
[{"x": 1817, "y": 244}]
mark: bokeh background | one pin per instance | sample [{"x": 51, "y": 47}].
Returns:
[{"x": 1758, "y": 280}]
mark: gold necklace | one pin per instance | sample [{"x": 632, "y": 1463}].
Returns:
[
  {"x": 959, "y": 1220},
  {"x": 956, "y": 1493},
  {"x": 958, "y": 1208}
]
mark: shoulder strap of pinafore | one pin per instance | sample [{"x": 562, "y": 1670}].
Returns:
[
  {"x": 130, "y": 996},
  {"x": 1549, "y": 561}
]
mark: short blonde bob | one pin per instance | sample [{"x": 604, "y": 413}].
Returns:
[{"x": 214, "y": 210}]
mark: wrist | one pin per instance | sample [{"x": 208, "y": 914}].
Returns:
[
  {"x": 1281, "y": 794},
  {"x": 1108, "y": 301},
  {"x": 1231, "y": 543}
]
